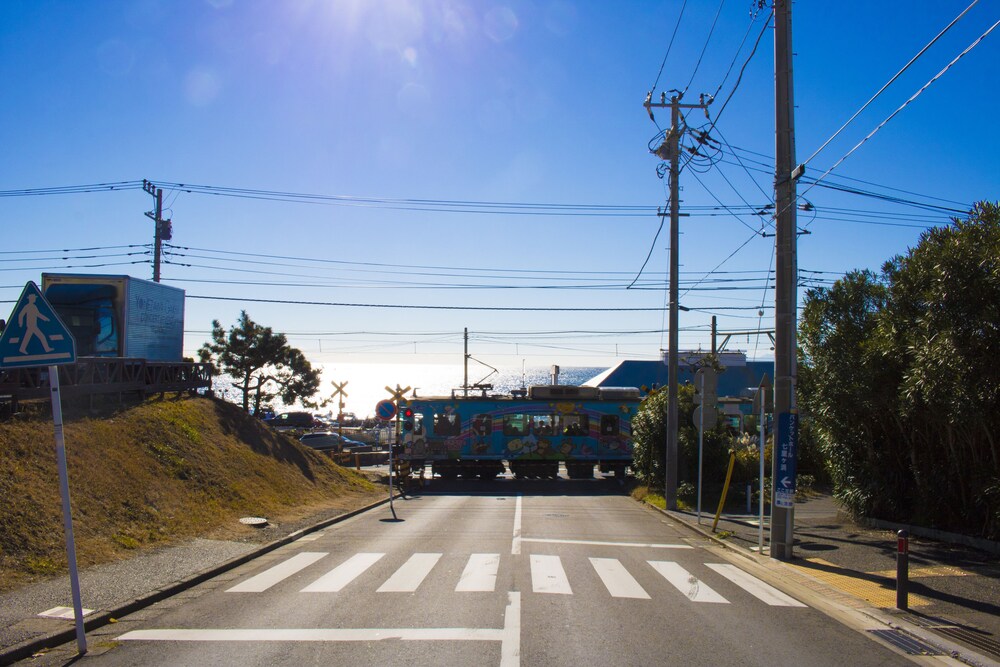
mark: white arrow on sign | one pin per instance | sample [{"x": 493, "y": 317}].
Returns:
[{"x": 785, "y": 482}]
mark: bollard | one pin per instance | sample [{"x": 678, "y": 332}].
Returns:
[{"x": 902, "y": 569}]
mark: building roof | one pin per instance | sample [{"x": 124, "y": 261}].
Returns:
[{"x": 735, "y": 381}]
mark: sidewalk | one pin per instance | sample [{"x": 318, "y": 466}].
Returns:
[
  {"x": 954, "y": 589},
  {"x": 30, "y": 618}
]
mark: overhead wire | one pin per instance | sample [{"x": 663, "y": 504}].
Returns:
[{"x": 890, "y": 82}]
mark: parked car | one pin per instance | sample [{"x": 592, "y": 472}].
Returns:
[
  {"x": 290, "y": 420},
  {"x": 326, "y": 441}
]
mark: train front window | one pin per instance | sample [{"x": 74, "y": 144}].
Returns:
[
  {"x": 447, "y": 424},
  {"x": 515, "y": 425}
]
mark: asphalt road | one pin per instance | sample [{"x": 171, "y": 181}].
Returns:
[{"x": 510, "y": 573}]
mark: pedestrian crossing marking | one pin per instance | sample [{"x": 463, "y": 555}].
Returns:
[
  {"x": 754, "y": 586},
  {"x": 686, "y": 583},
  {"x": 343, "y": 574},
  {"x": 548, "y": 575},
  {"x": 480, "y": 574},
  {"x": 271, "y": 576},
  {"x": 617, "y": 579},
  {"x": 411, "y": 574}
]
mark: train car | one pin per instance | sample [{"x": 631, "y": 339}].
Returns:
[{"x": 532, "y": 432}]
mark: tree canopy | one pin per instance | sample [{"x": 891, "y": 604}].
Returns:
[
  {"x": 899, "y": 375},
  {"x": 262, "y": 363}
]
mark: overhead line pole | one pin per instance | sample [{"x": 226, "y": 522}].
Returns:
[
  {"x": 670, "y": 150},
  {"x": 783, "y": 459}
]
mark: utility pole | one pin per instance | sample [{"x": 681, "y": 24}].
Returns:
[
  {"x": 162, "y": 228},
  {"x": 783, "y": 459},
  {"x": 670, "y": 150}
]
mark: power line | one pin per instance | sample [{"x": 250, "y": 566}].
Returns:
[{"x": 890, "y": 82}]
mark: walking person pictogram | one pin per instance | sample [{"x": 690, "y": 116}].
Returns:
[{"x": 28, "y": 318}]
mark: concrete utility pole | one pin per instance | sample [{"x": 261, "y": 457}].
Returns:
[
  {"x": 784, "y": 454},
  {"x": 670, "y": 150}
]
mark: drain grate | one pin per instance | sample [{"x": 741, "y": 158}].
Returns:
[
  {"x": 908, "y": 643},
  {"x": 970, "y": 636},
  {"x": 977, "y": 640}
]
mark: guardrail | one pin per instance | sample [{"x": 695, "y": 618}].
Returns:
[{"x": 104, "y": 375}]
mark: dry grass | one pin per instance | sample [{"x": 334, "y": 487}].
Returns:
[{"x": 152, "y": 474}]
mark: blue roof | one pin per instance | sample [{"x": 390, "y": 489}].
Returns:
[{"x": 735, "y": 381}]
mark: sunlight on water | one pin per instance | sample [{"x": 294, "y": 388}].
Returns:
[{"x": 366, "y": 383}]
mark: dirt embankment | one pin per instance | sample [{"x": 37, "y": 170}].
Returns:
[{"x": 151, "y": 474}]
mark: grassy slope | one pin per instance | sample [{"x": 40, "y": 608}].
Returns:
[{"x": 161, "y": 471}]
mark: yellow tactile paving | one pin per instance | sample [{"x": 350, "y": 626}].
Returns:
[
  {"x": 857, "y": 584},
  {"x": 935, "y": 571}
]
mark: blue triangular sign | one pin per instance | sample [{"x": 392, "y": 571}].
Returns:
[{"x": 34, "y": 335}]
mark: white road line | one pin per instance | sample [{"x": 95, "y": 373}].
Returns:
[
  {"x": 548, "y": 576},
  {"x": 515, "y": 545},
  {"x": 343, "y": 574},
  {"x": 510, "y": 645},
  {"x": 607, "y": 544},
  {"x": 686, "y": 583},
  {"x": 617, "y": 579},
  {"x": 754, "y": 586},
  {"x": 269, "y": 577},
  {"x": 315, "y": 635},
  {"x": 480, "y": 574},
  {"x": 412, "y": 573}
]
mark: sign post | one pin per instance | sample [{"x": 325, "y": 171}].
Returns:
[
  {"x": 397, "y": 396},
  {"x": 706, "y": 397},
  {"x": 32, "y": 325},
  {"x": 763, "y": 402}
]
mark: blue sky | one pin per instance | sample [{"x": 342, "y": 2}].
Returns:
[{"x": 388, "y": 102}]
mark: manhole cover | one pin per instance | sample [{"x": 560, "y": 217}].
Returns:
[{"x": 256, "y": 521}]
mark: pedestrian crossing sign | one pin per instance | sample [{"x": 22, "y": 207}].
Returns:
[{"x": 34, "y": 335}]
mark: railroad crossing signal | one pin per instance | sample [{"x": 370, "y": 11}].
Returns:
[
  {"x": 398, "y": 395},
  {"x": 338, "y": 390}
]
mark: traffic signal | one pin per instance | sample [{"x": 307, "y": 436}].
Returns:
[{"x": 407, "y": 420}]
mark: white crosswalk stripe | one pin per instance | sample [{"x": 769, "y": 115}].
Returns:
[
  {"x": 408, "y": 578},
  {"x": 686, "y": 583},
  {"x": 480, "y": 574},
  {"x": 271, "y": 576},
  {"x": 548, "y": 576},
  {"x": 754, "y": 586},
  {"x": 617, "y": 579},
  {"x": 343, "y": 574}
]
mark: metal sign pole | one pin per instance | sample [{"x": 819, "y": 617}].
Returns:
[
  {"x": 701, "y": 440},
  {"x": 763, "y": 440},
  {"x": 74, "y": 577}
]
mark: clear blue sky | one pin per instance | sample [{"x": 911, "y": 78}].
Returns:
[{"x": 472, "y": 102}]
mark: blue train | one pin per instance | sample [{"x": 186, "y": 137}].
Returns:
[{"x": 532, "y": 431}]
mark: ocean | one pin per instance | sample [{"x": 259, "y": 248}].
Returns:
[{"x": 366, "y": 383}]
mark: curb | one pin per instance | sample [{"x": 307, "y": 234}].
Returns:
[
  {"x": 29, "y": 647},
  {"x": 884, "y": 617}
]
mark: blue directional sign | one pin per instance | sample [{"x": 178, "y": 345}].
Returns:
[
  {"x": 34, "y": 335},
  {"x": 787, "y": 453}
]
